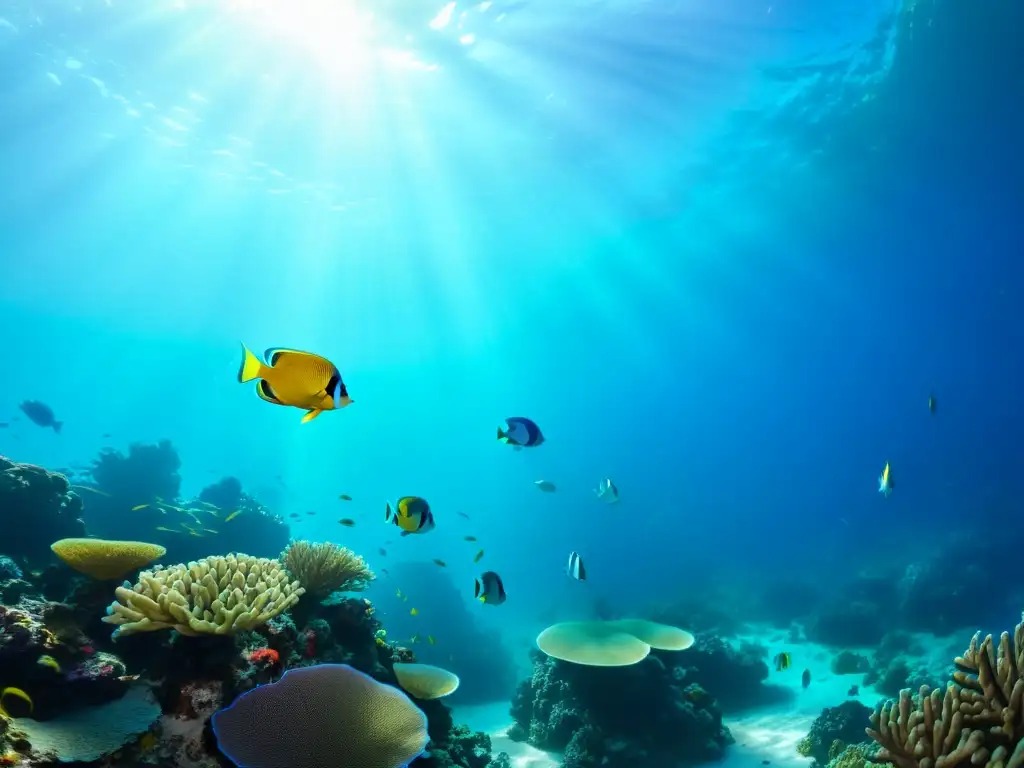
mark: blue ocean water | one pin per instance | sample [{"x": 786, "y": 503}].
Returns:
[{"x": 721, "y": 253}]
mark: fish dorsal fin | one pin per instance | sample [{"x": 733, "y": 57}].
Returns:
[
  {"x": 476, "y": 587},
  {"x": 266, "y": 393},
  {"x": 274, "y": 354}
]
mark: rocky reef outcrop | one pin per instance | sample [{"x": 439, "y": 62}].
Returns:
[{"x": 656, "y": 716}]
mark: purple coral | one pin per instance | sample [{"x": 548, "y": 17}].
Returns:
[{"x": 321, "y": 717}]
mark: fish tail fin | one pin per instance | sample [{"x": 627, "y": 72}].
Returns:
[
  {"x": 251, "y": 367},
  {"x": 57, "y": 425},
  {"x": 502, "y": 434}
]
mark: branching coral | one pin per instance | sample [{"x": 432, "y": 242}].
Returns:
[
  {"x": 978, "y": 720},
  {"x": 214, "y": 596},
  {"x": 324, "y": 567}
]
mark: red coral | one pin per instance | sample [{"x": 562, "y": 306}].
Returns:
[{"x": 266, "y": 656}]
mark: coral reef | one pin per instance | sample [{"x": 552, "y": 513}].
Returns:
[
  {"x": 734, "y": 674},
  {"x": 849, "y": 663},
  {"x": 472, "y": 652},
  {"x": 216, "y": 595},
  {"x": 977, "y": 720},
  {"x": 834, "y": 728},
  {"x": 655, "y": 718},
  {"x": 146, "y": 481},
  {"x": 28, "y": 492},
  {"x": 324, "y": 567}
]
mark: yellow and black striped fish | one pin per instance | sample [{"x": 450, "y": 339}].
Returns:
[
  {"x": 782, "y": 661},
  {"x": 298, "y": 379}
]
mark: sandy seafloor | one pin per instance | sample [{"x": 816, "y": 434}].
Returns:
[{"x": 769, "y": 733}]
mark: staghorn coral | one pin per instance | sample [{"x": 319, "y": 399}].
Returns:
[
  {"x": 216, "y": 596},
  {"x": 978, "y": 720},
  {"x": 325, "y": 567},
  {"x": 106, "y": 560}
]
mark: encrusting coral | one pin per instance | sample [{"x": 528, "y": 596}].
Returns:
[
  {"x": 325, "y": 567},
  {"x": 214, "y": 596},
  {"x": 978, "y": 720},
  {"x": 105, "y": 560}
]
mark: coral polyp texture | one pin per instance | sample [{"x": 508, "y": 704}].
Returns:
[
  {"x": 213, "y": 596},
  {"x": 105, "y": 560},
  {"x": 322, "y": 717},
  {"x": 325, "y": 567},
  {"x": 978, "y": 720}
]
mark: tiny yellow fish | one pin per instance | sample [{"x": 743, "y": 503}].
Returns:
[
  {"x": 479, "y": 555},
  {"x": 195, "y": 533},
  {"x": 49, "y": 661},
  {"x": 469, "y": 538},
  {"x": 440, "y": 563},
  {"x": 212, "y": 513},
  {"x": 17, "y": 693},
  {"x": 232, "y": 516},
  {"x": 430, "y": 639},
  {"x": 166, "y": 530},
  {"x": 129, "y": 678},
  {"x": 348, "y": 522},
  {"x": 298, "y": 379},
  {"x": 210, "y": 530},
  {"x": 345, "y": 497},
  {"x": 208, "y": 505},
  {"x": 414, "y": 639},
  {"x": 398, "y": 592},
  {"x": 137, "y": 507},
  {"x": 414, "y": 612}
]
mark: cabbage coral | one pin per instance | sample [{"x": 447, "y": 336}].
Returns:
[
  {"x": 214, "y": 596},
  {"x": 324, "y": 567}
]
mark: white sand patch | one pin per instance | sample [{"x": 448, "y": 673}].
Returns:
[{"x": 494, "y": 720}]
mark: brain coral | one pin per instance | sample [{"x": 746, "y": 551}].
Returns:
[
  {"x": 323, "y": 716},
  {"x": 214, "y": 596},
  {"x": 103, "y": 559}
]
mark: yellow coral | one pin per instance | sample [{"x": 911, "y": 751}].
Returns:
[
  {"x": 214, "y": 596},
  {"x": 324, "y": 567},
  {"x": 103, "y": 559}
]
